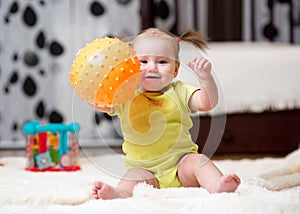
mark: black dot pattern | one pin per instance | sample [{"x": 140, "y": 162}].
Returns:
[
  {"x": 56, "y": 49},
  {"x": 164, "y": 14},
  {"x": 56, "y": 117},
  {"x": 97, "y": 9},
  {"x": 14, "y": 77},
  {"x": 40, "y": 109},
  {"x": 30, "y": 58},
  {"x": 39, "y": 40},
  {"x": 29, "y": 87},
  {"x": 162, "y": 10},
  {"x": 29, "y": 17}
]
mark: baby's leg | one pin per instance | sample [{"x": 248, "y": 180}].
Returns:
[
  {"x": 125, "y": 187},
  {"x": 196, "y": 170}
]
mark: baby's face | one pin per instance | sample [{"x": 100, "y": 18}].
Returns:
[
  {"x": 157, "y": 55},
  {"x": 157, "y": 72}
]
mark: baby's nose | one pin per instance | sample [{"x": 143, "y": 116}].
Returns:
[{"x": 152, "y": 67}]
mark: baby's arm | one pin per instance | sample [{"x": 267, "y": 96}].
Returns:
[{"x": 206, "y": 98}]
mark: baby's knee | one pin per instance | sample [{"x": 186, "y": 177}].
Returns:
[
  {"x": 195, "y": 158},
  {"x": 202, "y": 159}
]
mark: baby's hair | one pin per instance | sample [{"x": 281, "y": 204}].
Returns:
[
  {"x": 191, "y": 36},
  {"x": 196, "y": 38}
]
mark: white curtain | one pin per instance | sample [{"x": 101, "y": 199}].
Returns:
[{"x": 38, "y": 41}]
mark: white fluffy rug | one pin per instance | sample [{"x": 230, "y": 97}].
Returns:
[{"x": 69, "y": 192}]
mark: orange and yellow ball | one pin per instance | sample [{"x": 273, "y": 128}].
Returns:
[{"x": 105, "y": 72}]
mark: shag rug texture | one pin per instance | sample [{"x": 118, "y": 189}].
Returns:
[{"x": 269, "y": 185}]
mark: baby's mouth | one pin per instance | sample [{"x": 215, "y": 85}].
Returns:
[{"x": 152, "y": 77}]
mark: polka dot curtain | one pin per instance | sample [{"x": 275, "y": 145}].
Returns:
[{"x": 38, "y": 41}]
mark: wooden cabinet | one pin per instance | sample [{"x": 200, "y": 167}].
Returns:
[{"x": 268, "y": 132}]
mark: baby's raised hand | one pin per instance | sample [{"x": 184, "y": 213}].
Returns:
[{"x": 201, "y": 67}]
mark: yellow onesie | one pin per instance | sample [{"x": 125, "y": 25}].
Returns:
[{"x": 155, "y": 126}]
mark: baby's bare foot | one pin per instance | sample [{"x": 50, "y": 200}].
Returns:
[
  {"x": 104, "y": 191},
  {"x": 228, "y": 183}
]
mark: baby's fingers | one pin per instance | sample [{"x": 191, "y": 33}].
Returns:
[
  {"x": 191, "y": 65},
  {"x": 207, "y": 66},
  {"x": 199, "y": 62}
]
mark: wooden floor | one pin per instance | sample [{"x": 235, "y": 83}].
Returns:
[{"x": 102, "y": 151}]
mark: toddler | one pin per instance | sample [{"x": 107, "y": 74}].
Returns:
[{"x": 155, "y": 123}]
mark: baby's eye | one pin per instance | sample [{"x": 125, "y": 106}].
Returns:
[
  {"x": 143, "y": 61},
  {"x": 162, "y": 62}
]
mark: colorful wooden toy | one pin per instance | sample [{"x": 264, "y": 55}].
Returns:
[{"x": 52, "y": 147}]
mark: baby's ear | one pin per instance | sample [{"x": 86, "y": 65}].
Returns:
[{"x": 177, "y": 65}]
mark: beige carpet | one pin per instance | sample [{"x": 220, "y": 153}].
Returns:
[{"x": 69, "y": 192}]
